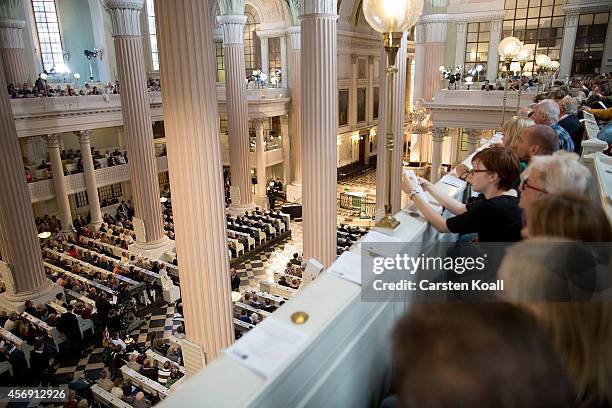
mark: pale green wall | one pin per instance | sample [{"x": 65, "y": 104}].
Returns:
[{"x": 77, "y": 35}]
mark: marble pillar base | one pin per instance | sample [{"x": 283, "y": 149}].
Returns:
[
  {"x": 294, "y": 192},
  {"x": 12, "y": 302},
  {"x": 194, "y": 357},
  {"x": 153, "y": 249},
  {"x": 262, "y": 201},
  {"x": 235, "y": 210}
]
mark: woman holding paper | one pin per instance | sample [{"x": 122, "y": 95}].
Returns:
[{"x": 495, "y": 216}]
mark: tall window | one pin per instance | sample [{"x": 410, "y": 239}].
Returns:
[
  {"x": 538, "y": 23},
  {"x": 152, "y": 34},
  {"x": 252, "y": 46},
  {"x": 274, "y": 55},
  {"x": 590, "y": 41},
  {"x": 219, "y": 61},
  {"x": 49, "y": 38},
  {"x": 477, "y": 47}
]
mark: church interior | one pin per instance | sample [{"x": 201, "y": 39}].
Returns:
[{"x": 306, "y": 203}]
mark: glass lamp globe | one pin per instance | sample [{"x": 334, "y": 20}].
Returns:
[
  {"x": 542, "y": 60},
  {"x": 77, "y": 75},
  {"x": 468, "y": 80},
  {"x": 479, "y": 68},
  {"x": 554, "y": 65},
  {"x": 509, "y": 47},
  {"x": 392, "y": 16},
  {"x": 43, "y": 76},
  {"x": 524, "y": 53}
]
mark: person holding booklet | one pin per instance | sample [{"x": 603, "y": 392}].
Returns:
[{"x": 495, "y": 216}]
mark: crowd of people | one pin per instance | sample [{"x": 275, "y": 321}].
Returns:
[
  {"x": 530, "y": 193},
  {"x": 42, "y": 88}
]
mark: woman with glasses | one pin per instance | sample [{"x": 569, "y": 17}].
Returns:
[{"x": 495, "y": 216}]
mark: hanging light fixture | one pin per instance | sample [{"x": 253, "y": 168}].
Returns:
[
  {"x": 392, "y": 18},
  {"x": 508, "y": 49}
]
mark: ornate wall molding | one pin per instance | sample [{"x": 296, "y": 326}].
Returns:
[
  {"x": 478, "y": 17},
  {"x": 233, "y": 28},
  {"x": 571, "y": 19},
  {"x": 125, "y": 17},
  {"x": 587, "y": 8}
]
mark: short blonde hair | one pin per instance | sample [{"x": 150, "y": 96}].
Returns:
[{"x": 512, "y": 128}]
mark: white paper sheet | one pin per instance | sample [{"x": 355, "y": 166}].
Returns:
[
  {"x": 382, "y": 244},
  {"x": 267, "y": 347},
  {"x": 347, "y": 266},
  {"x": 452, "y": 181},
  {"x": 415, "y": 180}
]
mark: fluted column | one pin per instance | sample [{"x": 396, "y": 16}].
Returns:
[
  {"x": 461, "y": 43},
  {"x": 399, "y": 104},
  {"x": 419, "y": 62},
  {"x": 319, "y": 128},
  {"x": 13, "y": 54},
  {"x": 21, "y": 268},
  {"x": 237, "y": 109},
  {"x": 193, "y": 143},
  {"x": 265, "y": 65},
  {"x": 59, "y": 181},
  {"x": 260, "y": 162},
  {"x": 283, "y": 56},
  {"x": 567, "y": 46},
  {"x": 434, "y": 57},
  {"x": 474, "y": 136},
  {"x": 493, "y": 58},
  {"x": 28, "y": 149},
  {"x": 352, "y": 114},
  {"x": 370, "y": 93},
  {"x": 90, "y": 178},
  {"x": 437, "y": 137},
  {"x": 286, "y": 149},
  {"x": 296, "y": 100},
  {"x": 136, "y": 112}
]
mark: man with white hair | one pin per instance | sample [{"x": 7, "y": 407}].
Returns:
[
  {"x": 560, "y": 173},
  {"x": 547, "y": 113}
]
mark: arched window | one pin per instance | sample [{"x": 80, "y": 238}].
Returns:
[
  {"x": 49, "y": 38},
  {"x": 252, "y": 46}
]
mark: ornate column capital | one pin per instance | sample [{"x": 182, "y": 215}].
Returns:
[
  {"x": 285, "y": 117},
  {"x": 294, "y": 36},
  {"x": 437, "y": 134},
  {"x": 461, "y": 26},
  {"x": 52, "y": 140},
  {"x": 496, "y": 25},
  {"x": 353, "y": 59},
  {"x": 84, "y": 136},
  {"x": 419, "y": 33},
  {"x": 258, "y": 123},
  {"x": 474, "y": 135},
  {"x": 10, "y": 33},
  {"x": 125, "y": 16},
  {"x": 436, "y": 31},
  {"x": 233, "y": 28},
  {"x": 571, "y": 18}
]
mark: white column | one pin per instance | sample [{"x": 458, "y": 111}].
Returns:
[
  {"x": 13, "y": 54},
  {"x": 260, "y": 162},
  {"x": 437, "y": 137},
  {"x": 493, "y": 59},
  {"x": 474, "y": 136},
  {"x": 121, "y": 137},
  {"x": 136, "y": 112},
  {"x": 319, "y": 128},
  {"x": 286, "y": 149},
  {"x": 567, "y": 46},
  {"x": 90, "y": 178},
  {"x": 352, "y": 114},
  {"x": 370, "y": 94},
  {"x": 419, "y": 64},
  {"x": 21, "y": 267},
  {"x": 434, "y": 52},
  {"x": 397, "y": 127},
  {"x": 294, "y": 191},
  {"x": 265, "y": 59},
  {"x": 283, "y": 52},
  {"x": 237, "y": 109},
  {"x": 194, "y": 160},
  {"x": 28, "y": 149},
  {"x": 460, "y": 44},
  {"x": 59, "y": 182}
]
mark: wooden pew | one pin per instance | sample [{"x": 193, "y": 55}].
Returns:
[
  {"x": 276, "y": 289},
  {"x": 148, "y": 385},
  {"x": 107, "y": 399},
  {"x": 174, "y": 341},
  {"x": 84, "y": 324},
  {"x": 241, "y": 326},
  {"x": 80, "y": 278},
  {"x": 238, "y": 306},
  {"x": 82, "y": 298},
  {"x": 161, "y": 360},
  {"x": 57, "y": 336},
  {"x": 21, "y": 344},
  {"x": 275, "y": 300}
]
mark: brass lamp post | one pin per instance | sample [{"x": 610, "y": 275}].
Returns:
[
  {"x": 391, "y": 18},
  {"x": 525, "y": 53},
  {"x": 508, "y": 49}
]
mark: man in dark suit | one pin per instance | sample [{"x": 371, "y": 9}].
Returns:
[
  {"x": 568, "y": 120},
  {"x": 235, "y": 279},
  {"x": 18, "y": 363},
  {"x": 78, "y": 224},
  {"x": 69, "y": 325},
  {"x": 486, "y": 86}
]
